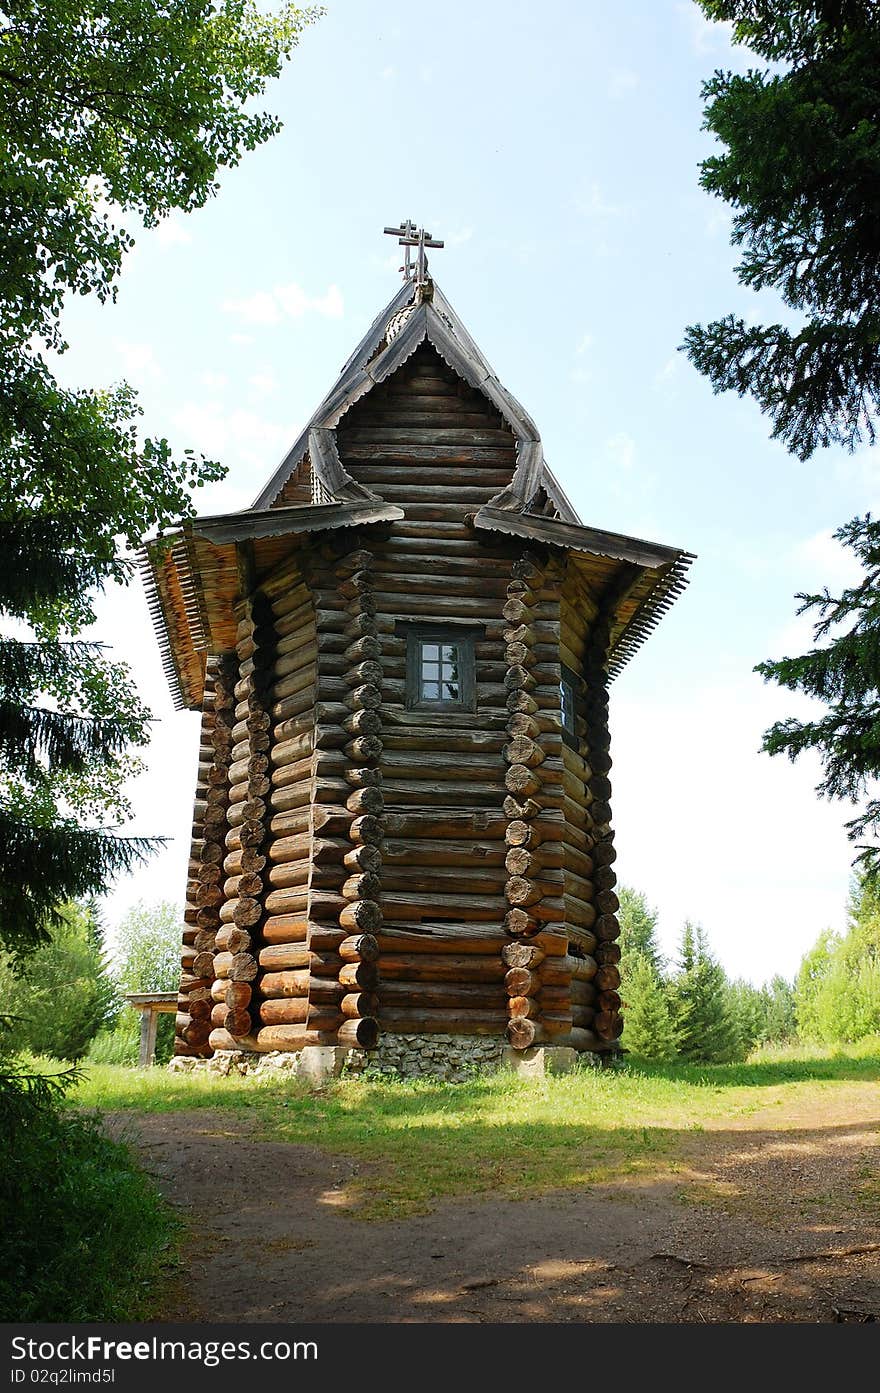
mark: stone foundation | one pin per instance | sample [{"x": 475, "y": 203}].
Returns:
[
  {"x": 449, "y": 1058},
  {"x": 452, "y": 1058}
]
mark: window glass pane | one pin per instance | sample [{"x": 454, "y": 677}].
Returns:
[
  {"x": 566, "y": 695},
  {"x": 450, "y": 653},
  {"x": 431, "y": 670},
  {"x": 431, "y": 691},
  {"x": 450, "y": 691},
  {"x": 431, "y": 651}
]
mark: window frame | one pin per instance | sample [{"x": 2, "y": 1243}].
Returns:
[
  {"x": 570, "y": 679},
  {"x": 464, "y": 640}
]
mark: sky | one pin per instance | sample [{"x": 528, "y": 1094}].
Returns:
[{"x": 555, "y": 148}]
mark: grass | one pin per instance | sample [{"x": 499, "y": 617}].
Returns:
[{"x": 419, "y": 1141}]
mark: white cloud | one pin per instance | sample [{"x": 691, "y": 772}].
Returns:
[
  {"x": 218, "y": 433},
  {"x": 388, "y": 72},
  {"x": 828, "y": 562},
  {"x": 241, "y": 338},
  {"x": 621, "y": 81},
  {"x": 271, "y": 306},
  {"x": 295, "y": 302},
  {"x": 668, "y": 372},
  {"x": 458, "y": 239},
  {"x": 138, "y": 361},
  {"x": 585, "y": 344},
  {"x": 214, "y": 381},
  {"x": 594, "y": 204},
  {"x": 706, "y": 34},
  {"x": 259, "y": 308},
  {"x": 719, "y": 220},
  {"x": 172, "y": 233},
  {"x": 620, "y": 452},
  {"x": 263, "y": 384}
]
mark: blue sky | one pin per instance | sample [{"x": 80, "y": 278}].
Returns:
[{"x": 555, "y": 148}]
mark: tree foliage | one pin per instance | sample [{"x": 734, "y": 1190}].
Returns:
[
  {"x": 649, "y": 1032},
  {"x": 844, "y": 674},
  {"x": 59, "y": 999},
  {"x": 837, "y": 990},
  {"x": 147, "y": 948},
  {"x": 799, "y": 166},
  {"x": 112, "y": 111},
  {"x": 705, "y": 1027}
]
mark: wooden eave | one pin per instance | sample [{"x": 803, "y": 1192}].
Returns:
[
  {"x": 634, "y": 581},
  {"x": 192, "y": 578},
  {"x": 431, "y": 319}
]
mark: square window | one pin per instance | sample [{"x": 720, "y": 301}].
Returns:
[{"x": 440, "y": 669}]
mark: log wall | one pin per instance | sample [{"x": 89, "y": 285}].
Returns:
[
  {"x": 428, "y": 442},
  {"x": 589, "y": 841},
  {"x": 204, "y": 892},
  {"x": 419, "y": 870}
]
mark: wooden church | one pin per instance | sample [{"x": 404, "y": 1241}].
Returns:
[{"x": 401, "y": 653}]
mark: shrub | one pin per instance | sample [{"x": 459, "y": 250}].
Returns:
[{"x": 84, "y": 1231}]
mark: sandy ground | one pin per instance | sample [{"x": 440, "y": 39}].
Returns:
[{"x": 753, "y": 1225}]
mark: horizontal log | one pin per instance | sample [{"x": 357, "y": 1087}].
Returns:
[
  {"x": 444, "y": 1021},
  {"x": 402, "y": 993},
  {"x": 440, "y": 967},
  {"x": 299, "y": 1010}
]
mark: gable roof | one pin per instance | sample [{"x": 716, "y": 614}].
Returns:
[{"x": 415, "y": 315}]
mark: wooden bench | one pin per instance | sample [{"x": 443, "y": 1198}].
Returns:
[{"x": 150, "y": 1004}]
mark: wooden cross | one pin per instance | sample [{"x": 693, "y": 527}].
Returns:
[{"x": 408, "y": 235}]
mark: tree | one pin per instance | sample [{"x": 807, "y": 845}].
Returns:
[
  {"x": 800, "y": 166},
  {"x": 838, "y": 985},
  {"x": 704, "y": 1025},
  {"x": 638, "y": 929},
  {"x": 111, "y": 109},
  {"x": 62, "y": 995},
  {"x": 812, "y": 974},
  {"x": 649, "y": 1031},
  {"x": 147, "y": 949}
]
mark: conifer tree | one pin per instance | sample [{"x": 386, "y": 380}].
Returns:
[
  {"x": 799, "y": 164},
  {"x": 705, "y": 1029},
  {"x": 648, "y": 1028}
]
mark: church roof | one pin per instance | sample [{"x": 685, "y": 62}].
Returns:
[
  {"x": 415, "y": 315},
  {"x": 192, "y": 575}
]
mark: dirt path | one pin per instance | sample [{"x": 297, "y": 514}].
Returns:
[{"x": 736, "y": 1231}]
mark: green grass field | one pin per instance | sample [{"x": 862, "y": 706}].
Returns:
[{"x": 420, "y": 1141}]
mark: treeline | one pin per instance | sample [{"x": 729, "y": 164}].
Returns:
[
  {"x": 67, "y": 999},
  {"x": 690, "y": 1010}
]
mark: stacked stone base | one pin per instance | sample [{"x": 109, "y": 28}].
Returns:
[{"x": 448, "y": 1058}]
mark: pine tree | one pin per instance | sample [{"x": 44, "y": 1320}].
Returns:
[
  {"x": 638, "y": 928},
  {"x": 799, "y": 164},
  {"x": 704, "y": 1025},
  {"x": 648, "y": 1028}
]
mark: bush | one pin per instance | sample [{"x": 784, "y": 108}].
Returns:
[{"x": 84, "y": 1231}]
